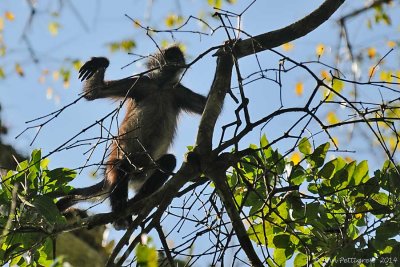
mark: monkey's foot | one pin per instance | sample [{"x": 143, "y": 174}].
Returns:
[{"x": 123, "y": 223}]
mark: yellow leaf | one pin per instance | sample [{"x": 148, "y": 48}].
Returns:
[
  {"x": 56, "y": 75},
  {"x": 331, "y": 118},
  {"x": 76, "y": 64},
  {"x": 9, "y": 15},
  {"x": 2, "y": 74},
  {"x": 2, "y": 50},
  {"x": 386, "y": 76},
  {"x": 371, "y": 52},
  {"x": 299, "y": 88},
  {"x": 358, "y": 216},
  {"x": 295, "y": 158},
  {"x": 287, "y": 46},
  {"x": 319, "y": 50},
  {"x": 66, "y": 84},
  {"x": 49, "y": 93},
  {"x": 19, "y": 70},
  {"x": 337, "y": 85},
  {"x": 215, "y": 3},
  {"x": 53, "y": 28},
  {"x": 172, "y": 20},
  {"x": 327, "y": 95},
  {"x": 391, "y": 44},
  {"x": 325, "y": 75},
  {"x": 1, "y": 24}
]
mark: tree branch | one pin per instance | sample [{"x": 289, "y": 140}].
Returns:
[{"x": 292, "y": 32}]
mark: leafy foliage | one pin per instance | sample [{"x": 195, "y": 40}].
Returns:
[
  {"x": 28, "y": 214},
  {"x": 327, "y": 211}
]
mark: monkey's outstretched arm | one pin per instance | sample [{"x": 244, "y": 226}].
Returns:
[
  {"x": 189, "y": 100},
  {"x": 92, "y": 73}
]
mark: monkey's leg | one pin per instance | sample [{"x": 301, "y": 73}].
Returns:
[
  {"x": 118, "y": 180},
  {"x": 167, "y": 164}
]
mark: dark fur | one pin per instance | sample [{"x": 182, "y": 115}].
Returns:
[{"x": 138, "y": 154}]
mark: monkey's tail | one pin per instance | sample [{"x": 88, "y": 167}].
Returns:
[{"x": 76, "y": 195}]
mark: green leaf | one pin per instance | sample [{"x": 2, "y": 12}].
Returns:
[
  {"x": 317, "y": 158},
  {"x": 361, "y": 173},
  {"x": 297, "y": 175},
  {"x": 328, "y": 170},
  {"x": 48, "y": 210},
  {"x": 259, "y": 233},
  {"x": 381, "y": 198},
  {"x": 305, "y": 146},
  {"x": 280, "y": 256},
  {"x": 146, "y": 256},
  {"x": 34, "y": 162},
  {"x": 282, "y": 241},
  {"x": 300, "y": 260}
]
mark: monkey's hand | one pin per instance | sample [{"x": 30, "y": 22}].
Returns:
[{"x": 92, "y": 66}]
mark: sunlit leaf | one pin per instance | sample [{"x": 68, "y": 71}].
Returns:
[
  {"x": 331, "y": 118},
  {"x": 19, "y": 70},
  {"x": 325, "y": 75},
  {"x": 327, "y": 94},
  {"x": 317, "y": 158},
  {"x": 320, "y": 49},
  {"x": 146, "y": 256},
  {"x": 215, "y": 3},
  {"x": 56, "y": 75},
  {"x": 361, "y": 172},
  {"x": 66, "y": 84},
  {"x": 391, "y": 44},
  {"x": 124, "y": 45},
  {"x": 2, "y": 74},
  {"x": 358, "y": 216},
  {"x": 49, "y": 93},
  {"x": 300, "y": 260},
  {"x": 9, "y": 15},
  {"x": 53, "y": 28},
  {"x": 287, "y": 46},
  {"x": 127, "y": 45},
  {"x": 337, "y": 85},
  {"x": 299, "y": 88},
  {"x": 295, "y": 158},
  {"x": 77, "y": 64},
  {"x": 371, "y": 52},
  {"x": 173, "y": 20},
  {"x": 386, "y": 76},
  {"x": 1, "y": 24},
  {"x": 305, "y": 146}
]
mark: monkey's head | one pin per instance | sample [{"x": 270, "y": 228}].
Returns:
[{"x": 168, "y": 64}]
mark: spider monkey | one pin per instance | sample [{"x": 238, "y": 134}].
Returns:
[{"x": 139, "y": 151}]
